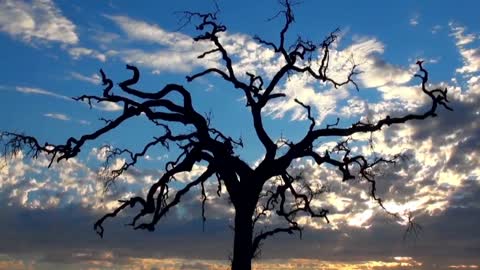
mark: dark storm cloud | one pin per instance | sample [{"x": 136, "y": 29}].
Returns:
[
  {"x": 450, "y": 238},
  {"x": 60, "y": 233},
  {"x": 463, "y": 119}
]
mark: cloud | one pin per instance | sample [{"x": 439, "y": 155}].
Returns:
[
  {"x": 376, "y": 73},
  {"x": 249, "y": 56},
  {"x": 414, "y": 21},
  {"x": 105, "y": 38},
  {"x": 107, "y": 106},
  {"x": 458, "y": 32},
  {"x": 41, "y": 21},
  {"x": 73, "y": 242},
  {"x": 58, "y": 116},
  {"x": 196, "y": 171},
  {"x": 436, "y": 28},
  {"x": 79, "y": 52},
  {"x": 103, "y": 106},
  {"x": 31, "y": 185},
  {"x": 179, "y": 52},
  {"x": 302, "y": 88},
  {"x": 440, "y": 163},
  {"x": 93, "y": 79},
  {"x": 84, "y": 122},
  {"x": 36, "y": 20},
  {"x": 99, "y": 153},
  {"x": 39, "y": 91},
  {"x": 441, "y": 160},
  {"x": 71, "y": 196},
  {"x": 139, "y": 30},
  {"x": 9, "y": 263},
  {"x": 42, "y": 191},
  {"x": 463, "y": 266},
  {"x": 471, "y": 56},
  {"x": 390, "y": 80},
  {"x": 163, "y": 60},
  {"x": 471, "y": 59}
]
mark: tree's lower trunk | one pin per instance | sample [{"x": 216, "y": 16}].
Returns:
[{"x": 242, "y": 243}]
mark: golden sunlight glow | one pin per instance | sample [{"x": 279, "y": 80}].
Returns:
[
  {"x": 404, "y": 209},
  {"x": 303, "y": 264},
  {"x": 360, "y": 219},
  {"x": 310, "y": 264},
  {"x": 12, "y": 265},
  {"x": 449, "y": 177},
  {"x": 463, "y": 266}
]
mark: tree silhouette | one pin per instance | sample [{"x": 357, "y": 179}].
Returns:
[{"x": 255, "y": 192}]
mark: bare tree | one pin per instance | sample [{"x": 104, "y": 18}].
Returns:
[{"x": 255, "y": 192}]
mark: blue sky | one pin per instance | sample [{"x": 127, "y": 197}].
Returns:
[{"x": 53, "y": 49}]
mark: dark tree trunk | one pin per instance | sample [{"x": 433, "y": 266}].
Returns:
[{"x": 242, "y": 243}]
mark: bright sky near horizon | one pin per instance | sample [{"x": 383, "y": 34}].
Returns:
[{"x": 52, "y": 50}]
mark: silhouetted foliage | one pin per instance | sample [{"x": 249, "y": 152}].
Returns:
[{"x": 246, "y": 185}]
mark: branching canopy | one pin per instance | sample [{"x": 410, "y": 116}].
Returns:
[{"x": 205, "y": 144}]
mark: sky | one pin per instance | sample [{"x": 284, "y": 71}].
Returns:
[{"x": 52, "y": 50}]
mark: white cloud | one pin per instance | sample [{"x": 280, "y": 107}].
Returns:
[
  {"x": 29, "y": 184},
  {"x": 302, "y": 88},
  {"x": 84, "y": 122},
  {"x": 408, "y": 96},
  {"x": 165, "y": 60},
  {"x": 107, "y": 106},
  {"x": 436, "y": 28},
  {"x": 58, "y": 116},
  {"x": 39, "y": 91},
  {"x": 195, "y": 172},
  {"x": 251, "y": 56},
  {"x": 459, "y": 33},
  {"x": 93, "y": 79},
  {"x": 41, "y": 21},
  {"x": 425, "y": 184},
  {"x": 99, "y": 153},
  {"x": 36, "y": 20},
  {"x": 179, "y": 52},
  {"x": 103, "y": 106},
  {"x": 79, "y": 52},
  {"x": 471, "y": 56},
  {"x": 355, "y": 107},
  {"x": 414, "y": 20},
  {"x": 375, "y": 73},
  {"x": 440, "y": 164},
  {"x": 178, "y": 55},
  {"x": 105, "y": 38},
  {"x": 139, "y": 30}
]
